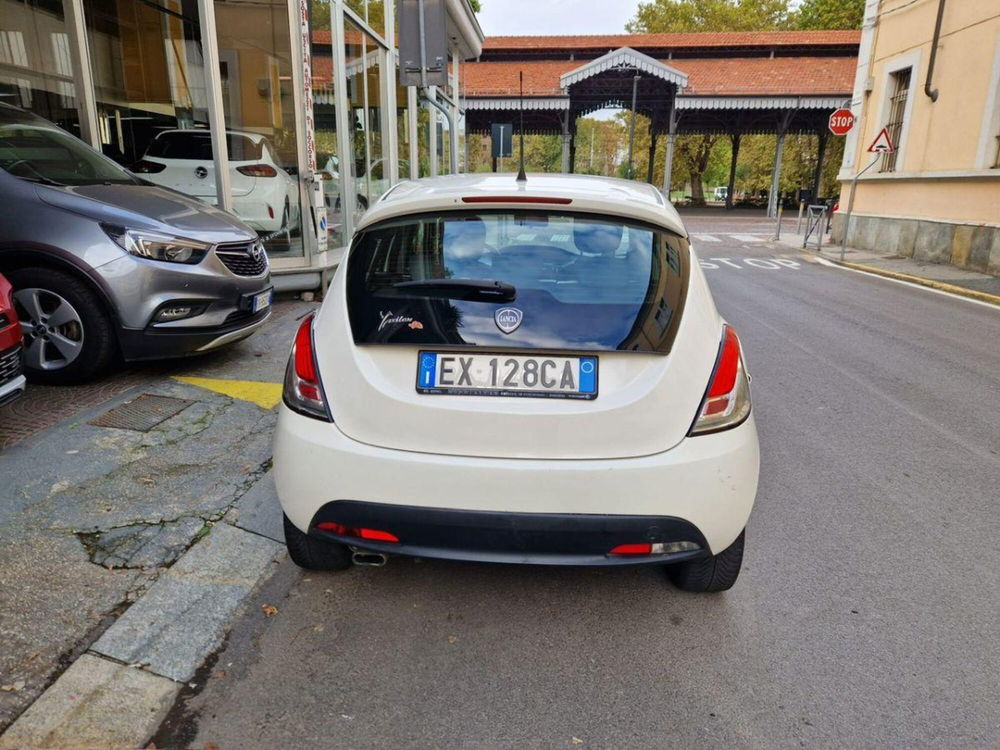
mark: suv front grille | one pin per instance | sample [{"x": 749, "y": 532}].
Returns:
[
  {"x": 10, "y": 364},
  {"x": 239, "y": 258}
]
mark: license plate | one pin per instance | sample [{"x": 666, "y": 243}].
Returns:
[
  {"x": 480, "y": 374},
  {"x": 261, "y": 301}
]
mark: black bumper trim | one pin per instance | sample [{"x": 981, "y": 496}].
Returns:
[
  {"x": 164, "y": 343},
  {"x": 500, "y": 537}
]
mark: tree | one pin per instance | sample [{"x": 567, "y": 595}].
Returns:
[
  {"x": 657, "y": 16},
  {"x": 829, "y": 14}
]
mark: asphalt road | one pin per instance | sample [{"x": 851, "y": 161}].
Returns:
[{"x": 867, "y": 613}]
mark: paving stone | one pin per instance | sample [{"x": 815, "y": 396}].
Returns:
[
  {"x": 994, "y": 264},
  {"x": 933, "y": 242},
  {"x": 94, "y": 704},
  {"x": 961, "y": 245},
  {"x": 184, "y": 615},
  {"x": 907, "y": 238},
  {"x": 979, "y": 252},
  {"x": 887, "y": 236},
  {"x": 259, "y": 511},
  {"x": 51, "y": 597},
  {"x": 143, "y": 546}
]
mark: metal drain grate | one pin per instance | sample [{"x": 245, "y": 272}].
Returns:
[{"x": 142, "y": 413}]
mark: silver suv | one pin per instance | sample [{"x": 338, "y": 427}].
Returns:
[{"x": 107, "y": 266}]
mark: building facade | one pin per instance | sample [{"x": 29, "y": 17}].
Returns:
[
  {"x": 201, "y": 81},
  {"x": 929, "y": 73}
]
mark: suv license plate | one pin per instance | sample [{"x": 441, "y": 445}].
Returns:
[
  {"x": 261, "y": 301},
  {"x": 459, "y": 374}
]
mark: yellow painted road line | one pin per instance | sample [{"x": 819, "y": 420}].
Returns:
[{"x": 265, "y": 395}]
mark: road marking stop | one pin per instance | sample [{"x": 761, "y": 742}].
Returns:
[{"x": 768, "y": 264}]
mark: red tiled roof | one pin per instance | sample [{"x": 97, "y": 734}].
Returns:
[
  {"x": 781, "y": 75},
  {"x": 723, "y": 76},
  {"x": 693, "y": 39}
]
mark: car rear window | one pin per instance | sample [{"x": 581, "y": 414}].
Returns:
[
  {"x": 199, "y": 146},
  {"x": 574, "y": 281}
]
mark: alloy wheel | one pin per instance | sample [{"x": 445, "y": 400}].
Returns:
[{"x": 53, "y": 331}]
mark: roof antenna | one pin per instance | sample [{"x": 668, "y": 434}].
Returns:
[{"x": 521, "y": 176}]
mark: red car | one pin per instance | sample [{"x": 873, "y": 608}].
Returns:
[{"x": 11, "y": 377}]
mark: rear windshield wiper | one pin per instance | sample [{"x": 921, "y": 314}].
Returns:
[{"x": 472, "y": 290}]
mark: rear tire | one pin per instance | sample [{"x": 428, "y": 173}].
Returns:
[
  {"x": 710, "y": 574},
  {"x": 315, "y": 554},
  {"x": 84, "y": 324}
]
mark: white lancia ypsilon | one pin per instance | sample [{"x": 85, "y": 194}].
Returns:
[{"x": 519, "y": 372}]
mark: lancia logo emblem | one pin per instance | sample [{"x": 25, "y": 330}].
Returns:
[
  {"x": 201, "y": 173},
  {"x": 508, "y": 319}
]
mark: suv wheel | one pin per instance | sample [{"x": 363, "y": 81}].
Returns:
[
  {"x": 315, "y": 554},
  {"x": 710, "y": 574},
  {"x": 68, "y": 338}
]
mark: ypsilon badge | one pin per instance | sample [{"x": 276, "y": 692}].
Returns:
[{"x": 508, "y": 319}]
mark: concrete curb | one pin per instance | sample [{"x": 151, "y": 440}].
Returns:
[
  {"x": 929, "y": 283},
  {"x": 116, "y": 694}
]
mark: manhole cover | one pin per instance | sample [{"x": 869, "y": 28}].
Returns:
[{"x": 142, "y": 413}]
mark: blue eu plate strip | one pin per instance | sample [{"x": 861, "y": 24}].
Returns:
[
  {"x": 428, "y": 369},
  {"x": 588, "y": 374}
]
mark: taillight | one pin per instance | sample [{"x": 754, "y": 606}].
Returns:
[
  {"x": 727, "y": 400},
  {"x": 147, "y": 167},
  {"x": 303, "y": 389},
  {"x": 258, "y": 170}
]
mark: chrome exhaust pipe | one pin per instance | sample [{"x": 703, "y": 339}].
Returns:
[{"x": 371, "y": 559}]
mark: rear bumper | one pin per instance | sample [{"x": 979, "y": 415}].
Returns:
[
  {"x": 708, "y": 482},
  {"x": 492, "y": 536}
]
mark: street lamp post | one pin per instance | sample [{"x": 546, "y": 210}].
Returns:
[{"x": 631, "y": 129}]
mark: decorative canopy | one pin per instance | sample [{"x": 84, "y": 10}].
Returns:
[{"x": 735, "y": 82}]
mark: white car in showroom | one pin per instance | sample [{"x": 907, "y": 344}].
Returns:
[
  {"x": 265, "y": 196},
  {"x": 519, "y": 373}
]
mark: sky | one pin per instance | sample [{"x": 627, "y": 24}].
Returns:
[{"x": 555, "y": 16}]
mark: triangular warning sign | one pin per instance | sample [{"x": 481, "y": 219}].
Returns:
[{"x": 882, "y": 144}]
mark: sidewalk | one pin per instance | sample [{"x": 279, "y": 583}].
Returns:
[
  {"x": 944, "y": 277},
  {"x": 131, "y": 534}
]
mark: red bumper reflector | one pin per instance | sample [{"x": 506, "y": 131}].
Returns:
[
  {"x": 377, "y": 536},
  {"x": 374, "y": 535},
  {"x": 633, "y": 549},
  {"x": 515, "y": 199}
]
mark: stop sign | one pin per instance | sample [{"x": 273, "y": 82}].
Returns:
[{"x": 841, "y": 121}]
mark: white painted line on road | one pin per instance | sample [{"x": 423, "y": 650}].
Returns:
[
  {"x": 921, "y": 287},
  {"x": 770, "y": 264},
  {"x": 748, "y": 237},
  {"x": 706, "y": 238}
]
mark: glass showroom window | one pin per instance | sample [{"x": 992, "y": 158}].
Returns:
[
  {"x": 36, "y": 70},
  {"x": 444, "y": 142},
  {"x": 148, "y": 79},
  {"x": 364, "y": 62},
  {"x": 403, "y": 132},
  {"x": 255, "y": 56},
  {"x": 328, "y": 163},
  {"x": 371, "y": 12}
]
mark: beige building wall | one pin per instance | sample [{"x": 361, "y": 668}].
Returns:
[{"x": 946, "y": 167}]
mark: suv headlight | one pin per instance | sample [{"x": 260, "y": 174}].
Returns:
[{"x": 157, "y": 246}]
